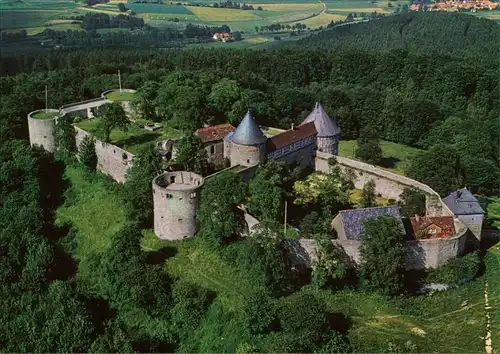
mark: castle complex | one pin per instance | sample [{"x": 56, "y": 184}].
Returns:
[{"x": 433, "y": 239}]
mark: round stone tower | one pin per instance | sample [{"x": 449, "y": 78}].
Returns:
[
  {"x": 328, "y": 137},
  {"x": 41, "y": 126},
  {"x": 246, "y": 146},
  {"x": 175, "y": 198}
]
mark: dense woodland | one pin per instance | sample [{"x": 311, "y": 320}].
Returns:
[{"x": 55, "y": 301}]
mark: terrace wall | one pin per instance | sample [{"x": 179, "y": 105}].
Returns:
[{"x": 111, "y": 159}]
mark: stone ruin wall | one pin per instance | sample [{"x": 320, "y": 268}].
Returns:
[{"x": 111, "y": 160}]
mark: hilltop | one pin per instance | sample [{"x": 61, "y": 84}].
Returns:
[{"x": 428, "y": 34}]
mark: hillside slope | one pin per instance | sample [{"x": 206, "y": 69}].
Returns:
[{"x": 456, "y": 35}]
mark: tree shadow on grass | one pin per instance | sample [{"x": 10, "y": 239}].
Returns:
[
  {"x": 388, "y": 162},
  {"x": 160, "y": 256}
]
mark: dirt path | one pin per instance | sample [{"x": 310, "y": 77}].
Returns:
[
  {"x": 324, "y": 7},
  {"x": 488, "y": 348}
]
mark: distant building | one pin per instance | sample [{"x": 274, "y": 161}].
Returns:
[
  {"x": 213, "y": 137},
  {"x": 467, "y": 208},
  {"x": 222, "y": 36}
]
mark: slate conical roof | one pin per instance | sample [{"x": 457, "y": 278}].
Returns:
[
  {"x": 325, "y": 125},
  {"x": 248, "y": 132}
]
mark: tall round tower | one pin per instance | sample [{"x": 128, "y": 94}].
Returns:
[
  {"x": 246, "y": 146},
  {"x": 41, "y": 126},
  {"x": 175, "y": 198},
  {"x": 328, "y": 137}
]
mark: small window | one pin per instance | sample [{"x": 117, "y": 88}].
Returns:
[
  {"x": 172, "y": 179},
  {"x": 169, "y": 196},
  {"x": 179, "y": 219},
  {"x": 45, "y": 136},
  {"x": 248, "y": 161},
  {"x": 212, "y": 149},
  {"x": 193, "y": 195},
  {"x": 114, "y": 151},
  {"x": 124, "y": 156}
]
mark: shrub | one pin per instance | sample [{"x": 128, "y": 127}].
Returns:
[{"x": 456, "y": 271}]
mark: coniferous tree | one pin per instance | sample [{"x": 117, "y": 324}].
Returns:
[
  {"x": 86, "y": 153},
  {"x": 65, "y": 140},
  {"x": 368, "y": 197}
]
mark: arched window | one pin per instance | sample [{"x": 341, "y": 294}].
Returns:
[{"x": 212, "y": 149}]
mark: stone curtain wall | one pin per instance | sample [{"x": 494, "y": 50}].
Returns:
[
  {"x": 81, "y": 108},
  {"x": 41, "y": 131},
  {"x": 111, "y": 160},
  {"x": 389, "y": 185}
]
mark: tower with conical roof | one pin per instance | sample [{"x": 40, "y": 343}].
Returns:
[
  {"x": 246, "y": 145},
  {"x": 328, "y": 137}
]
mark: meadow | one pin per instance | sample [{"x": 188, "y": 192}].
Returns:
[
  {"x": 408, "y": 324},
  {"x": 395, "y": 157}
]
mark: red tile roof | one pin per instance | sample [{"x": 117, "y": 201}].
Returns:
[
  {"x": 214, "y": 133},
  {"x": 291, "y": 136},
  {"x": 420, "y": 225}
]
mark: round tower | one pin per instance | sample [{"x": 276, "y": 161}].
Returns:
[
  {"x": 124, "y": 96},
  {"x": 328, "y": 137},
  {"x": 246, "y": 146},
  {"x": 175, "y": 198},
  {"x": 41, "y": 126}
]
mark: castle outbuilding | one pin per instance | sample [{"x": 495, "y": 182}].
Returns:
[
  {"x": 328, "y": 137},
  {"x": 467, "y": 208}
]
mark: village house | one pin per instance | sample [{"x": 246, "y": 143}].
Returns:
[{"x": 222, "y": 36}]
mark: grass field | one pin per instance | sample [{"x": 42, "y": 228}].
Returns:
[
  {"x": 135, "y": 137},
  {"x": 322, "y": 20},
  {"x": 395, "y": 157},
  {"x": 160, "y": 9},
  {"x": 492, "y": 261},
  {"x": 228, "y": 15},
  {"x": 356, "y": 194}
]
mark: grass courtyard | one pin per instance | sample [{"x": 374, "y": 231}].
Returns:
[
  {"x": 135, "y": 138},
  {"x": 120, "y": 96},
  {"x": 44, "y": 115}
]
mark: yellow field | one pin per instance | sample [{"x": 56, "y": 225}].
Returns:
[
  {"x": 368, "y": 9},
  {"x": 322, "y": 20},
  {"x": 117, "y": 1},
  {"x": 215, "y": 14},
  {"x": 165, "y": 16},
  {"x": 290, "y": 7},
  {"x": 101, "y": 11}
]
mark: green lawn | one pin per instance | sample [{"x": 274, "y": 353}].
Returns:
[
  {"x": 135, "y": 137},
  {"x": 117, "y": 96},
  {"x": 492, "y": 261},
  {"x": 44, "y": 115},
  {"x": 442, "y": 323},
  {"x": 395, "y": 157},
  {"x": 95, "y": 211}
]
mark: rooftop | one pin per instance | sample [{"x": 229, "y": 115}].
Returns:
[
  {"x": 422, "y": 230},
  {"x": 352, "y": 220},
  {"x": 214, "y": 133},
  {"x": 462, "y": 202},
  {"x": 248, "y": 132},
  {"x": 325, "y": 125},
  {"x": 290, "y": 136}
]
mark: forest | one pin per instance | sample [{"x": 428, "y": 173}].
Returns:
[{"x": 80, "y": 270}]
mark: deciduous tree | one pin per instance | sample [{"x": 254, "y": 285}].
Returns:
[
  {"x": 383, "y": 255},
  {"x": 192, "y": 154},
  {"x": 111, "y": 116}
]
